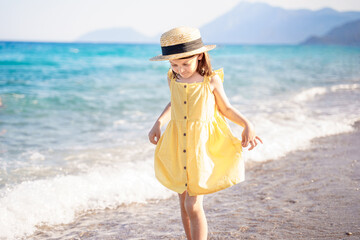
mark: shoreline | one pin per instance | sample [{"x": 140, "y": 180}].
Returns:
[{"x": 307, "y": 194}]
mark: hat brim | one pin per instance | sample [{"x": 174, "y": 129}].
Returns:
[{"x": 182, "y": 55}]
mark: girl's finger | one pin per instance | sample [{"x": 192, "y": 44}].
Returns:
[
  {"x": 152, "y": 139},
  {"x": 252, "y": 146},
  {"x": 259, "y": 139}
]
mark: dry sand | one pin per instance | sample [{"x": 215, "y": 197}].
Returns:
[{"x": 308, "y": 194}]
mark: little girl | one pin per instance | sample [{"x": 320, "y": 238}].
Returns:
[{"x": 197, "y": 154}]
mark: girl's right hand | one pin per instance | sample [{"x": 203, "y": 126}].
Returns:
[
  {"x": 248, "y": 136},
  {"x": 155, "y": 133}
]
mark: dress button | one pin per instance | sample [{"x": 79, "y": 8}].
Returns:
[
  {"x": 185, "y": 184},
  {"x": 184, "y": 102},
  {"x": 184, "y": 86},
  {"x": 184, "y": 150},
  {"x": 184, "y": 117},
  {"x": 184, "y": 134},
  {"x": 185, "y": 167}
]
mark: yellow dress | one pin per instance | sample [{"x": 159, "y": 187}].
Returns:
[{"x": 197, "y": 151}]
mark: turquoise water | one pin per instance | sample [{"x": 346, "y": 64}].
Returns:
[{"x": 75, "y": 115}]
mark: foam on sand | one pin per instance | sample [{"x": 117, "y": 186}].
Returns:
[{"x": 58, "y": 200}]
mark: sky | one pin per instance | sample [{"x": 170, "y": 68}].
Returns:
[{"x": 66, "y": 20}]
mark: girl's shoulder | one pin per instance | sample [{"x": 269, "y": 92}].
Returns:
[
  {"x": 216, "y": 79},
  {"x": 217, "y": 73}
]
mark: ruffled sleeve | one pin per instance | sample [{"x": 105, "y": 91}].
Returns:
[{"x": 219, "y": 72}]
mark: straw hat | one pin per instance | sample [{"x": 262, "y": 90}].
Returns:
[{"x": 181, "y": 42}]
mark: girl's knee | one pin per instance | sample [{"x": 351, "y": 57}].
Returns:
[{"x": 193, "y": 206}]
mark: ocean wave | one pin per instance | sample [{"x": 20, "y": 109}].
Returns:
[
  {"x": 58, "y": 200},
  {"x": 310, "y": 94},
  {"x": 283, "y": 136},
  {"x": 291, "y": 125}
]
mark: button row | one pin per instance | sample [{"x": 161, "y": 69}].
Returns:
[{"x": 185, "y": 135}]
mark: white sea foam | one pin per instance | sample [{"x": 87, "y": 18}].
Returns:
[
  {"x": 18, "y": 95},
  {"x": 286, "y": 126},
  {"x": 345, "y": 87},
  {"x": 58, "y": 200},
  {"x": 74, "y": 50},
  {"x": 281, "y": 137},
  {"x": 119, "y": 122},
  {"x": 311, "y": 93},
  {"x": 37, "y": 156}
]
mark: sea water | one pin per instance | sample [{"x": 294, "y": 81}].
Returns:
[{"x": 74, "y": 118}]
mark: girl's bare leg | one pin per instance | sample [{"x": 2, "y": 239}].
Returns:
[
  {"x": 194, "y": 216},
  {"x": 184, "y": 217}
]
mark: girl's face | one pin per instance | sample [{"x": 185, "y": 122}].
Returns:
[{"x": 186, "y": 67}]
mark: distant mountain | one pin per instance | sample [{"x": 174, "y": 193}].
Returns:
[
  {"x": 260, "y": 23},
  {"x": 346, "y": 34},
  {"x": 115, "y": 35},
  {"x": 247, "y": 23}
]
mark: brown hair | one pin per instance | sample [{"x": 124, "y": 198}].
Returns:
[{"x": 204, "y": 65}]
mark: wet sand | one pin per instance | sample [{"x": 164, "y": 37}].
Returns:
[{"x": 308, "y": 194}]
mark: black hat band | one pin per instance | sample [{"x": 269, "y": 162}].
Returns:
[{"x": 182, "y": 47}]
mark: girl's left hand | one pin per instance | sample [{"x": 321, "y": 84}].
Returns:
[{"x": 249, "y": 136}]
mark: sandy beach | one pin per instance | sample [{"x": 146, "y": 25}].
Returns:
[{"x": 308, "y": 194}]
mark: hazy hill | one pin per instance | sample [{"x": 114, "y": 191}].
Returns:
[
  {"x": 120, "y": 35},
  {"x": 247, "y": 23},
  {"x": 346, "y": 34},
  {"x": 260, "y": 23}
]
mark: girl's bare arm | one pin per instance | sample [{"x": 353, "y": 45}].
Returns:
[
  {"x": 248, "y": 135},
  {"x": 155, "y": 132}
]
